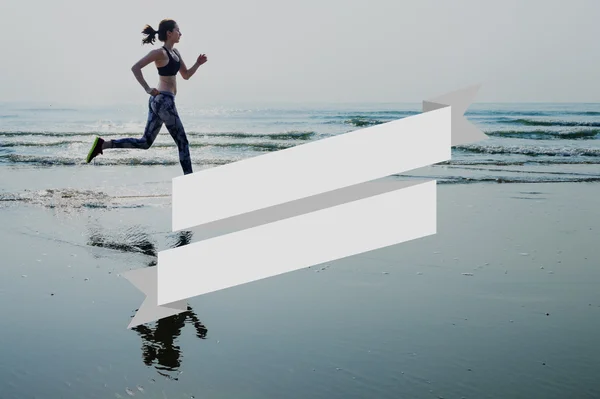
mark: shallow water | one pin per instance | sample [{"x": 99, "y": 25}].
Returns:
[{"x": 503, "y": 302}]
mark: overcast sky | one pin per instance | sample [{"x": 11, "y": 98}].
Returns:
[{"x": 81, "y": 52}]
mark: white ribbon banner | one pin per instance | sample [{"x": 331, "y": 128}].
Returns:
[{"x": 309, "y": 204}]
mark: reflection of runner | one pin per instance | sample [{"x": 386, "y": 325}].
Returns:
[
  {"x": 158, "y": 344},
  {"x": 161, "y": 105}
]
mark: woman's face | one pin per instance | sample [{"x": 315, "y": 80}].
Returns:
[{"x": 174, "y": 35}]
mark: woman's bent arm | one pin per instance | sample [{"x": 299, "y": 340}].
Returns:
[{"x": 137, "y": 67}]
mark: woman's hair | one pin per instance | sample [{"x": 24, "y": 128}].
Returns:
[{"x": 164, "y": 26}]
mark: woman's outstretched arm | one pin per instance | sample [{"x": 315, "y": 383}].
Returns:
[{"x": 188, "y": 73}]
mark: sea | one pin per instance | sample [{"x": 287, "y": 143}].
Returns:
[
  {"x": 502, "y": 302},
  {"x": 531, "y": 142}
]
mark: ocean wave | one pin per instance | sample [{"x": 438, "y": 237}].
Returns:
[
  {"x": 292, "y": 135},
  {"x": 490, "y": 112},
  {"x": 394, "y": 113},
  {"x": 371, "y": 120},
  {"x": 545, "y": 134},
  {"x": 366, "y": 114},
  {"x": 37, "y": 144},
  {"x": 550, "y": 156},
  {"x": 471, "y": 112},
  {"x": 497, "y": 162},
  {"x": 358, "y": 121},
  {"x": 24, "y": 133},
  {"x": 128, "y": 161},
  {"x": 252, "y": 146},
  {"x": 534, "y": 122},
  {"x": 531, "y": 151},
  {"x": 361, "y": 122},
  {"x": 525, "y": 179}
]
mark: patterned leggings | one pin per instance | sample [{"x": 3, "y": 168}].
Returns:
[{"x": 161, "y": 110}]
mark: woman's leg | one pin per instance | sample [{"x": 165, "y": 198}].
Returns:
[
  {"x": 153, "y": 125},
  {"x": 165, "y": 108}
]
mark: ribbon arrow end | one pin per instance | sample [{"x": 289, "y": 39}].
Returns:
[{"x": 146, "y": 281}]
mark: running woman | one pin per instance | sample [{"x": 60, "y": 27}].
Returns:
[{"x": 161, "y": 104}]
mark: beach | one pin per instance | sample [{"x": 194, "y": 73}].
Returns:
[{"x": 503, "y": 301}]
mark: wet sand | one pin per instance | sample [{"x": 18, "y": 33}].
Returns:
[{"x": 504, "y": 301}]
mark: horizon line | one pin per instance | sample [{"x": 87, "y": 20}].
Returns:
[{"x": 288, "y": 102}]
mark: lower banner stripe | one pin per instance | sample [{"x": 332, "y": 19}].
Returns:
[{"x": 297, "y": 242}]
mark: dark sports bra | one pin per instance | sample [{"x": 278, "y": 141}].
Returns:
[{"x": 171, "y": 68}]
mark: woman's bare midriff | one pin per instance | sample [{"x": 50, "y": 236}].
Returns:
[{"x": 167, "y": 83}]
